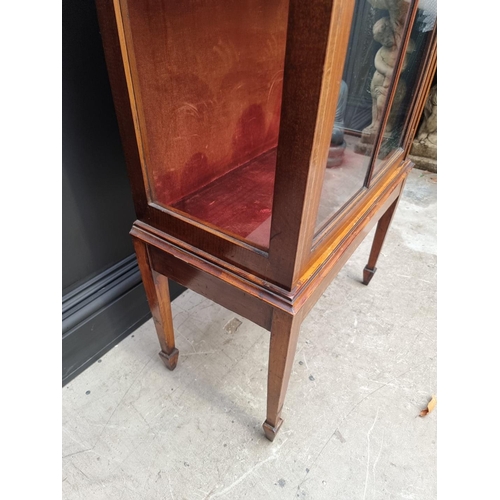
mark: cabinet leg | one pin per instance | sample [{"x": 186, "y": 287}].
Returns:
[
  {"x": 378, "y": 241},
  {"x": 157, "y": 292},
  {"x": 284, "y": 334}
]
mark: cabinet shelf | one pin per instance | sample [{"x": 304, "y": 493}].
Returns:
[{"x": 239, "y": 202}]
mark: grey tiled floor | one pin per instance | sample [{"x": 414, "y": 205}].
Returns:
[{"x": 365, "y": 367}]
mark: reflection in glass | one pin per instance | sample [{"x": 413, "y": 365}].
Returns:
[
  {"x": 419, "y": 38},
  {"x": 374, "y": 46},
  {"x": 337, "y": 142}
]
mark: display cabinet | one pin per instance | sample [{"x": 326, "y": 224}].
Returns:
[{"x": 264, "y": 139}]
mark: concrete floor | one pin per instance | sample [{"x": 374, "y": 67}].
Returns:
[{"x": 365, "y": 367}]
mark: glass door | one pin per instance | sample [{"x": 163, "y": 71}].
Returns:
[
  {"x": 421, "y": 35},
  {"x": 365, "y": 133}
]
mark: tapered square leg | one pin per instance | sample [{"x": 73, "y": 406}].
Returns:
[
  {"x": 378, "y": 241},
  {"x": 158, "y": 295},
  {"x": 284, "y": 335},
  {"x": 271, "y": 431},
  {"x": 368, "y": 274},
  {"x": 170, "y": 360}
]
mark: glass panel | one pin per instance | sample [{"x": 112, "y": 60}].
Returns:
[
  {"x": 375, "y": 40},
  {"x": 415, "y": 54},
  {"x": 208, "y": 78}
]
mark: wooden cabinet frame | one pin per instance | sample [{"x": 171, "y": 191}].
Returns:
[{"x": 274, "y": 287}]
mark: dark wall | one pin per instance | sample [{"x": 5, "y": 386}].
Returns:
[
  {"x": 103, "y": 297},
  {"x": 98, "y": 210}
]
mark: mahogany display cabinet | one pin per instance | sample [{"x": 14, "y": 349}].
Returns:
[{"x": 231, "y": 113}]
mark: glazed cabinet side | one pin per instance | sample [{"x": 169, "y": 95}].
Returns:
[
  {"x": 386, "y": 156},
  {"x": 313, "y": 190},
  {"x": 314, "y": 33}
]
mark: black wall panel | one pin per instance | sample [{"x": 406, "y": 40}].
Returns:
[{"x": 97, "y": 204}]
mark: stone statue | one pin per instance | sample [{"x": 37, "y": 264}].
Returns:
[
  {"x": 397, "y": 14},
  {"x": 385, "y": 60},
  {"x": 424, "y": 149},
  {"x": 427, "y": 133},
  {"x": 387, "y": 31},
  {"x": 337, "y": 143}
]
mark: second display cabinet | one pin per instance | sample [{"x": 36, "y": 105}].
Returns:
[{"x": 264, "y": 139}]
